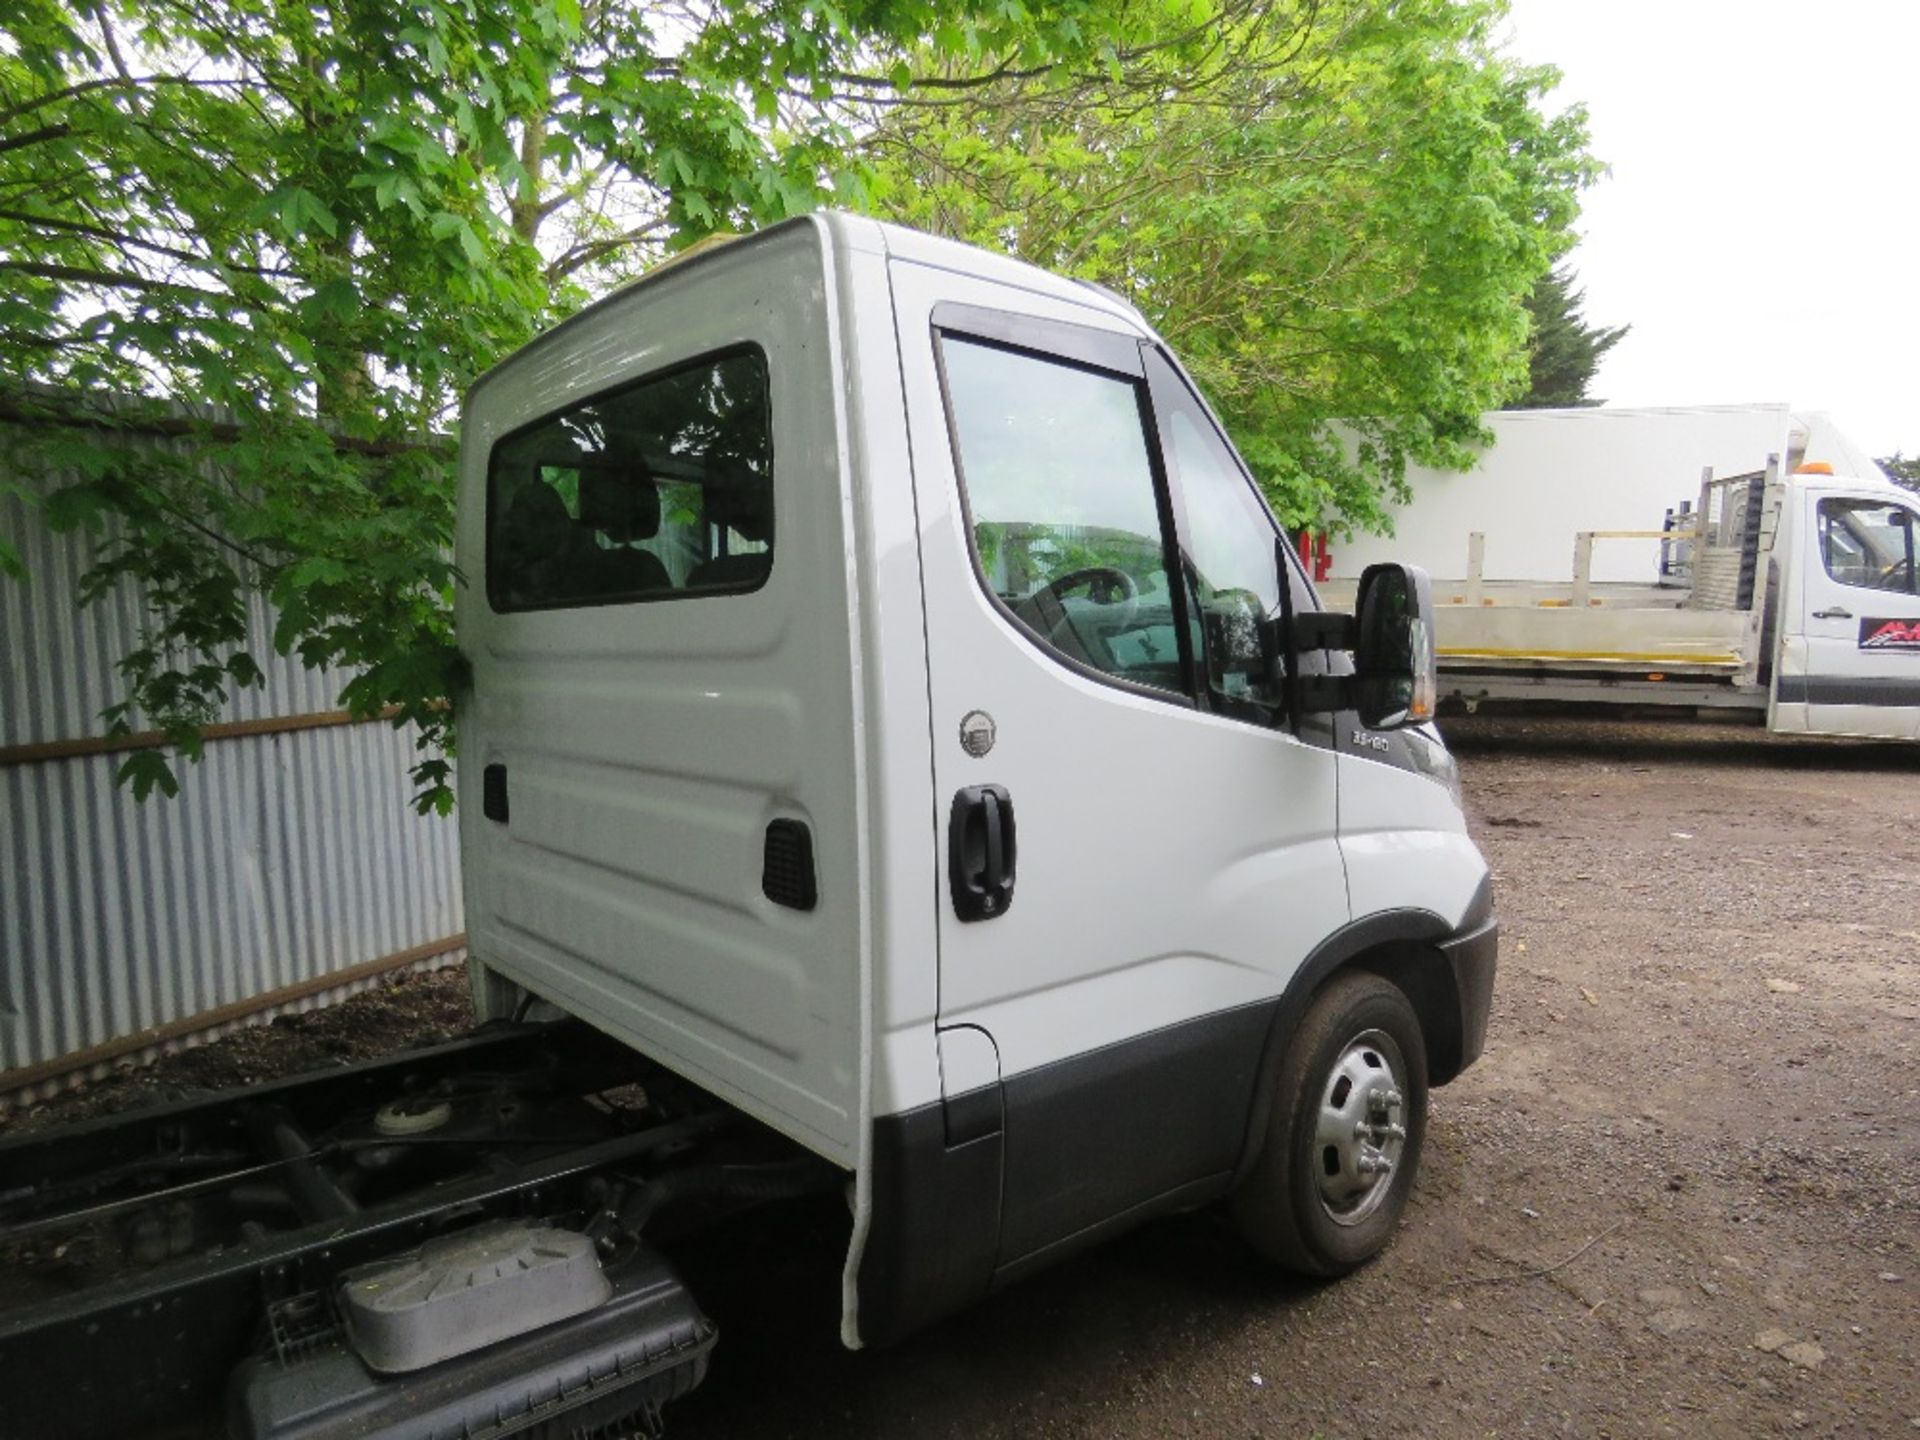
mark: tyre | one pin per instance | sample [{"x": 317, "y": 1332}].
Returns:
[{"x": 1349, "y": 1112}]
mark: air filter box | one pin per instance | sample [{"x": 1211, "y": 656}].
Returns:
[
  {"x": 618, "y": 1362},
  {"x": 468, "y": 1290}
]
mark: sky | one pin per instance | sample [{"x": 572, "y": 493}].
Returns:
[{"x": 1759, "y": 222}]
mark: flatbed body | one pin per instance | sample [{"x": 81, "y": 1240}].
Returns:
[{"x": 1788, "y": 597}]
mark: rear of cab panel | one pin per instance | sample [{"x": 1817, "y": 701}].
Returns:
[{"x": 672, "y": 750}]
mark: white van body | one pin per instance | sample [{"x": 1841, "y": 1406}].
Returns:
[{"x": 832, "y": 690}]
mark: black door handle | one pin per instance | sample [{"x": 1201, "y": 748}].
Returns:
[{"x": 981, "y": 851}]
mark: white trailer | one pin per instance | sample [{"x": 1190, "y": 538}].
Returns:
[{"x": 1789, "y": 594}]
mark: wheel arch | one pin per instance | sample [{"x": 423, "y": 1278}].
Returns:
[{"x": 1400, "y": 946}]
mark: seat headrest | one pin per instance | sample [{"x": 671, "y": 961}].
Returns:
[
  {"x": 738, "y": 499},
  {"x": 620, "y": 499},
  {"x": 536, "y": 522}
]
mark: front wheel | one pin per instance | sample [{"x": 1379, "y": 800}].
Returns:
[{"x": 1343, "y": 1136}]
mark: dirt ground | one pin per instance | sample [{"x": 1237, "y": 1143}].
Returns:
[
  {"x": 415, "y": 1009},
  {"x": 1680, "y": 1194}
]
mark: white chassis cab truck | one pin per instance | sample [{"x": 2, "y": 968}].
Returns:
[
  {"x": 1792, "y": 597},
  {"x": 895, "y": 711},
  {"x": 902, "y": 759}
]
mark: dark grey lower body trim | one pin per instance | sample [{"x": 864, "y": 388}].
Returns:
[
  {"x": 1181, "y": 1197},
  {"x": 1091, "y": 1137},
  {"x": 1079, "y": 1150},
  {"x": 1473, "y": 957},
  {"x": 969, "y": 1195},
  {"x": 1850, "y": 689}
]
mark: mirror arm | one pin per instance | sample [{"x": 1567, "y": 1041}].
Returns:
[
  {"x": 1322, "y": 630},
  {"x": 1302, "y": 631}
]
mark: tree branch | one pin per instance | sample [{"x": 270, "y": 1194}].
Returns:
[
  {"x": 83, "y": 275},
  {"x": 55, "y": 131},
  {"x": 587, "y": 253},
  {"x": 51, "y": 410},
  {"x": 117, "y": 238},
  {"x": 110, "y": 82}
]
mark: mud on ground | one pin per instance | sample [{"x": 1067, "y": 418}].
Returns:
[{"x": 1680, "y": 1195}]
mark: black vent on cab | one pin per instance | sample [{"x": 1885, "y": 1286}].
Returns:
[
  {"x": 786, "y": 871},
  {"x": 493, "y": 793}
]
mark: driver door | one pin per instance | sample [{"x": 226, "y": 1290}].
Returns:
[{"x": 1128, "y": 872}]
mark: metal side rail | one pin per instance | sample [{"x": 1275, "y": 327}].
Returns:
[{"x": 152, "y": 1260}]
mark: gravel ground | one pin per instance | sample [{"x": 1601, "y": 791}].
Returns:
[{"x": 1680, "y": 1194}]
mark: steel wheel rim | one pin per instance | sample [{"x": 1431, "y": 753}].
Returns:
[{"x": 1360, "y": 1131}]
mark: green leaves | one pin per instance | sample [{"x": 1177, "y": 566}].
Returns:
[
  {"x": 302, "y": 214},
  {"x": 1902, "y": 469},
  {"x": 1564, "y": 351},
  {"x": 291, "y": 236},
  {"x": 145, "y": 771},
  {"x": 1334, "y": 212}
]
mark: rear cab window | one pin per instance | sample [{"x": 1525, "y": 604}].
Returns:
[{"x": 659, "y": 489}]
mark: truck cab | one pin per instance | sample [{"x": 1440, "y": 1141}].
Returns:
[
  {"x": 1849, "y": 597},
  {"x": 895, "y": 710}
]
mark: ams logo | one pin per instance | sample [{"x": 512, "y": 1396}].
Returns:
[{"x": 1877, "y": 634}]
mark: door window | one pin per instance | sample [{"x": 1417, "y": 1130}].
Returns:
[
  {"x": 1233, "y": 563},
  {"x": 660, "y": 489},
  {"x": 1868, "y": 544},
  {"x": 1064, "y": 508}
]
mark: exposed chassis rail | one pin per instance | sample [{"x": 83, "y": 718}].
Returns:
[{"x": 150, "y": 1343}]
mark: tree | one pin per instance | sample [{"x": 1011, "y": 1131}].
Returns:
[
  {"x": 1333, "y": 209},
  {"x": 311, "y": 225},
  {"x": 1901, "y": 469},
  {"x": 1566, "y": 351}
]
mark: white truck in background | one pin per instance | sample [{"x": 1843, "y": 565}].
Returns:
[{"x": 1785, "y": 591}]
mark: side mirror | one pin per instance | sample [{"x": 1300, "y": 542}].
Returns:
[{"x": 1394, "y": 681}]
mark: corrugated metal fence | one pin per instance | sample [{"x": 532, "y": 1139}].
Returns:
[{"x": 289, "y": 869}]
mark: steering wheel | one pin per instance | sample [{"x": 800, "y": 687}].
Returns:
[
  {"x": 1902, "y": 569},
  {"x": 1106, "y": 585}
]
